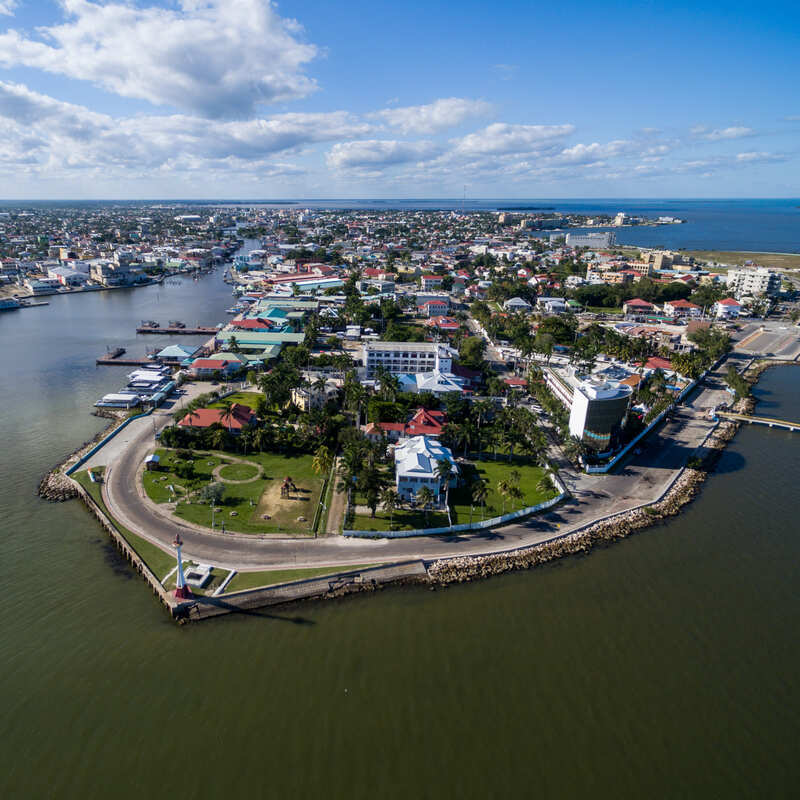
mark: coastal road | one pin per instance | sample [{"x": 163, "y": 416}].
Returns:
[{"x": 646, "y": 475}]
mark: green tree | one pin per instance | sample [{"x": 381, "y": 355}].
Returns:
[{"x": 425, "y": 499}]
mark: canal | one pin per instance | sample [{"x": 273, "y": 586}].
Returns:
[{"x": 663, "y": 665}]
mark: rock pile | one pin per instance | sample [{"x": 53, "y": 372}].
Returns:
[{"x": 56, "y": 486}]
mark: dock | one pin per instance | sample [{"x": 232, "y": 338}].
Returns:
[
  {"x": 109, "y": 361},
  {"x": 177, "y": 331},
  {"x": 755, "y": 420}
]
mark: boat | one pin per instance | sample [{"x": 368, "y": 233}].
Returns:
[
  {"x": 175, "y": 323},
  {"x": 149, "y": 323},
  {"x": 9, "y": 304}
]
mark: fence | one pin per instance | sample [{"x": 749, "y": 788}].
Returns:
[{"x": 467, "y": 526}]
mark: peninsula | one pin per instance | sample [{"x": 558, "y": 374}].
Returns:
[{"x": 422, "y": 396}]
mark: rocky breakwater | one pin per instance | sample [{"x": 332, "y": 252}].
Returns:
[
  {"x": 683, "y": 490},
  {"x": 56, "y": 485}
]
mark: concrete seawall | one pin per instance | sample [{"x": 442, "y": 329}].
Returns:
[{"x": 127, "y": 551}]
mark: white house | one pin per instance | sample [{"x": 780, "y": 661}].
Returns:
[
  {"x": 552, "y": 305},
  {"x": 435, "y": 382},
  {"x": 517, "y": 304},
  {"x": 727, "y": 308},
  {"x": 415, "y": 466}
]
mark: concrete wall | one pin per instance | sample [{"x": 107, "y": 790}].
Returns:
[{"x": 86, "y": 456}]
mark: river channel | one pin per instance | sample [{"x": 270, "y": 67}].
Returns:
[{"x": 664, "y": 665}]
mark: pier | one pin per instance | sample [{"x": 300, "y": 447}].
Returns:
[
  {"x": 754, "y": 420},
  {"x": 110, "y": 361},
  {"x": 177, "y": 331}
]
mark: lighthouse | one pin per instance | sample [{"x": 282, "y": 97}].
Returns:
[{"x": 182, "y": 591}]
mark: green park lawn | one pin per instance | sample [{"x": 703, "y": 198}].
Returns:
[
  {"x": 249, "y": 399},
  {"x": 254, "y": 580},
  {"x": 489, "y": 470},
  {"x": 159, "y": 562},
  {"x": 239, "y": 472},
  {"x": 248, "y": 501},
  {"x": 492, "y": 472}
]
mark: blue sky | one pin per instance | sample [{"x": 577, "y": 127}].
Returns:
[{"x": 251, "y": 99}]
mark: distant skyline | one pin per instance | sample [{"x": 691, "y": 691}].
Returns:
[{"x": 231, "y": 99}]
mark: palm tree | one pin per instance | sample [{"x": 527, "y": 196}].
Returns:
[
  {"x": 504, "y": 489},
  {"x": 390, "y": 500},
  {"x": 322, "y": 461},
  {"x": 226, "y": 406},
  {"x": 545, "y": 484},
  {"x": 480, "y": 491},
  {"x": 443, "y": 472},
  {"x": 425, "y": 498}
]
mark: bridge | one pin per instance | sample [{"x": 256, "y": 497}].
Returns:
[{"x": 754, "y": 420}]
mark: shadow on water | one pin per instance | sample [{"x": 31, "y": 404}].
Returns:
[{"x": 253, "y": 612}]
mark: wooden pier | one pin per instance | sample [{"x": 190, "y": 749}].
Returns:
[
  {"x": 109, "y": 361},
  {"x": 177, "y": 331}
]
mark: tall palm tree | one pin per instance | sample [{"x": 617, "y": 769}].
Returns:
[
  {"x": 480, "y": 491},
  {"x": 443, "y": 472},
  {"x": 503, "y": 489},
  {"x": 425, "y": 499},
  {"x": 390, "y": 500},
  {"x": 226, "y": 406},
  {"x": 322, "y": 461}
]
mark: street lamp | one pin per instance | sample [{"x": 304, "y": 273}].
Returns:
[{"x": 213, "y": 511}]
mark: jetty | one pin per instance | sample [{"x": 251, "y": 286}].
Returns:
[
  {"x": 172, "y": 330},
  {"x": 756, "y": 420}
]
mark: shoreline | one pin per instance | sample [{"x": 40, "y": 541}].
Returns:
[{"x": 441, "y": 572}]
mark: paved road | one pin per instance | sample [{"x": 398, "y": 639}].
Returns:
[{"x": 594, "y": 496}]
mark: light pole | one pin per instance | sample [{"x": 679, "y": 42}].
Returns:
[{"x": 213, "y": 512}]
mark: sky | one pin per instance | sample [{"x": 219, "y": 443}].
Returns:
[{"x": 249, "y": 99}]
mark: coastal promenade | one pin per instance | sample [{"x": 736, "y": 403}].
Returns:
[{"x": 642, "y": 479}]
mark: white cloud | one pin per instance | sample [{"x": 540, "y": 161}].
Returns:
[
  {"x": 728, "y": 133},
  {"x": 7, "y": 7},
  {"x": 752, "y": 157},
  {"x": 216, "y": 58},
  {"x": 500, "y": 137},
  {"x": 434, "y": 117},
  {"x": 377, "y": 154},
  {"x": 585, "y": 153},
  {"x": 43, "y": 135}
]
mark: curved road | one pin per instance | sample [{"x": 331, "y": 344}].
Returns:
[{"x": 643, "y": 479}]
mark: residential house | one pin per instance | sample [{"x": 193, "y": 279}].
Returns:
[
  {"x": 240, "y": 416},
  {"x": 416, "y": 465}
]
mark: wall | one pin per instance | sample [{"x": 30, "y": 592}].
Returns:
[{"x": 86, "y": 456}]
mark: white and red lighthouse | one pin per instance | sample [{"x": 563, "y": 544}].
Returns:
[{"x": 182, "y": 591}]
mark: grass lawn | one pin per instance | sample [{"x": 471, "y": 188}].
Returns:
[
  {"x": 602, "y": 310},
  {"x": 249, "y": 399},
  {"x": 239, "y": 472},
  {"x": 248, "y": 501},
  {"x": 404, "y": 520},
  {"x": 159, "y": 562},
  {"x": 157, "y": 481},
  {"x": 218, "y": 575},
  {"x": 493, "y": 471},
  {"x": 781, "y": 260},
  {"x": 254, "y": 580}
]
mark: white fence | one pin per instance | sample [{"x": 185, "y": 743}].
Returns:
[{"x": 467, "y": 526}]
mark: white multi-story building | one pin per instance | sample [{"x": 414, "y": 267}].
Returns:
[
  {"x": 598, "y": 409},
  {"x": 412, "y": 357},
  {"x": 753, "y": 282},
  {"x": 594, "y": 241}
]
